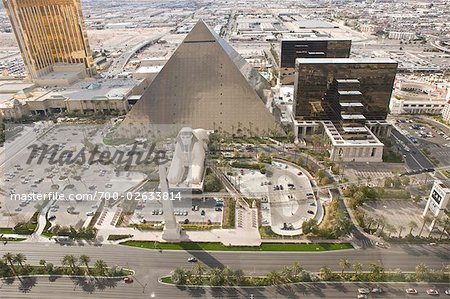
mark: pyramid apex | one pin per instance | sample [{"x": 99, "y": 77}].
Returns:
[{"x": 200, "y": 32}]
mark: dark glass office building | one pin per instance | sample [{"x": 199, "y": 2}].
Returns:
[
  {"x": 292, "y": 49},
  {"x": 316, "y": 79}
]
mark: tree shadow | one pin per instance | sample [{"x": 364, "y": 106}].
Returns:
[
  {"x": 195, "y": 291},
  {"x": 53, "y": 278},
  {"x": 103, "y": 283},
  {"x": 27, "y": 283},
  {"x": 87, "y": 285},
  {"x": 9, "y": 280},
  {"x": 287, "y": 291}
]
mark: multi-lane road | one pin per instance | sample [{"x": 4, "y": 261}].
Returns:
[
  {"x": 414, "y": 157},
  {"x": 150, "y": 265}
]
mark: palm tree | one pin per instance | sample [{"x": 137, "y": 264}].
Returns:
[
  {"x": 345, "y": 264},
  {"x": 444, "y": 224},
  {"x": 391, "y": 229},
  {"x": 426, "y": 218},
  {"x": 100, "y": 267},
  {"x": 20, "y": 259},
  {"x": 357, "y": 267},
  {"x": 377, "y": 272},
  {"x": 227, "y": 275},
  {"x": 422, "y": 272},
  {"x": 178, "y": 276},
  {"x": 69, "y": 260},
  {"x": 296, "y": 269},
  {"x": 286, "y": 274},
  {"x": 326, "y": 273},
  {"x": 238, "y": 276},
  {"x": 215, "y": 277},
  {"x": 199, "y": 269},
  {"x": 85, "y": 260},
  {"x": 9, "y": 258},
  {"x": 412, "y": 225},
  {"x": 400, "y": 229},
  {"x": 383, "y": 223},
  {"x": 369, "y": 221},
  {"x": 274, "y": 278}
]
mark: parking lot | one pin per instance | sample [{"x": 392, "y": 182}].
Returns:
[
  {"x": 32, "y": 173},
  {"x": 196, "y": 211},
  {"x": 398, "y": 213},
  {"x": 291, "y": 198},
  {"x": 427, "y": 137},
  {"x": 286, "y": 192}
]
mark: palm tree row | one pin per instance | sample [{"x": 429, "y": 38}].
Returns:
[
  {"x": 14, "y": 264},
  {"x": 295, "y": 273},
  {"x": 74, "y": 264}
]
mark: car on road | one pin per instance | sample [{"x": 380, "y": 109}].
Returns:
[
  {"x": 411, "y": 291},
  {"x": 192, "y": 260},
  {"x": 380, "y": 244},
  {"x": 377, "y": 290},
  {"x": 90, "y": 213},
  {"x": 363, "y": 291},
  {"x": 432, "y": 292},
  {"x": 447, "y": 292},
  {"x": 362, "y": 296},
  {"x": 310, "y": 212},
  {"x": 128, "y": 280}
]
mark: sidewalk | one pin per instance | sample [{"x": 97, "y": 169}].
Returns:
[{"x": 234, "y": 237}]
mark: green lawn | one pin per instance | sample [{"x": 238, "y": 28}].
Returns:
[
  {"x": 6, "y": 230},
  {"x": 12, "y": 239},
  {"x": 221, "y": 247}
]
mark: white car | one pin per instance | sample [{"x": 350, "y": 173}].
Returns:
[
  {"x": 90, "y": 213},
  {"x": 411, "y": 291},
  {"x": 363, "y": 291},
  {"x": 362, "y": 296},
  {"x": 432, "y": 292}
]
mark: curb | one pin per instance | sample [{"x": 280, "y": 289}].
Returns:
[{"x": 240, "y": 251}]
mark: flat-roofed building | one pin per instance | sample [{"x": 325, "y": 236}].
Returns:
[
  {"x": 415, "y": 97},
  {"x": 446, "y": 112},
  {"x": 51, "y": 33},
  {"x": 309, "y": 47}
]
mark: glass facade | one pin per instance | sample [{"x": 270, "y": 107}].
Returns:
[
  {"x": 291, "y": 49},
  {"x": 49, "y": 32},
  {"x": 315, "y": 76}
]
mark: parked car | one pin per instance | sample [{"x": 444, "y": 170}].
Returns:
[{"x": 128, "y": 280}]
